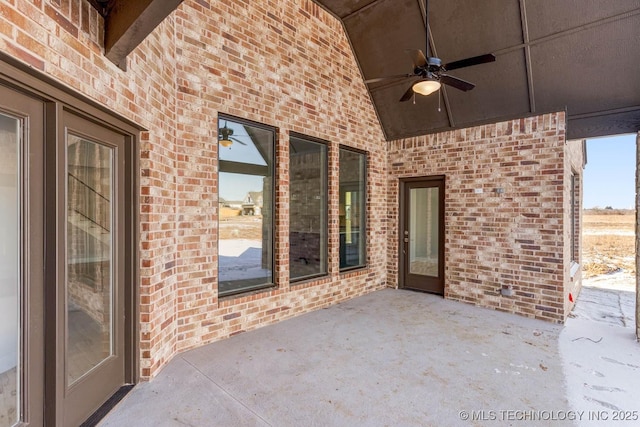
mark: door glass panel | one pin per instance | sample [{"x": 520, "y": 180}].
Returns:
[
  {"x": 89, "y": 287},
  {"x": 423, "y": 231},
  {"x": 10, "y": 249}
]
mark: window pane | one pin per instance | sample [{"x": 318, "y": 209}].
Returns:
[
  {"x": 9, "y": 270},
  {"x": 89, "y": 255},
  {"x": 423, "y": 231},
  {"x": 245, "y": 186},
  {"x": 352, "y": 209},
  {"x": 307, "y": 208}
]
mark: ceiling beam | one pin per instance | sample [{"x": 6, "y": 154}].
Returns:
[
  {"x": 362, "y": 9},
  {"x": 243, "y": 168},
  {"x": 527, "y": 55},
  {"x": 604, "y": 123},
  {"x": 129, "y": 22},
  {"x": 442, "y": 93}
]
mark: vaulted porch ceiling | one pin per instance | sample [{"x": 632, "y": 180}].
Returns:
[
  {"x": 581, "y": 56},
  {"x": 578, "y": 55}
]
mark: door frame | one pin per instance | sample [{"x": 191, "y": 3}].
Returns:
[
  {"x": 402, "y": 225},
  {"x": 99, "y": 133},
  {"x": 56, "y": 99},
  {"x": 30, "y": 111}
]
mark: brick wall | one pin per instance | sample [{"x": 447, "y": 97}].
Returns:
[
  {"x": 285, "y": 63},
  {"x": 492, "y": 239},
  {"x": 257, "y": 54},
  {"x": 288, "y": 64},
  {"x": 573, "y": 165}
]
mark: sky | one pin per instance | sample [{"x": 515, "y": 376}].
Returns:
[{"x": 610, "y": 174}]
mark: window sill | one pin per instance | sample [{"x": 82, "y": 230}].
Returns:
[
  {"x": 236, "y": 298},
  {"x": 354, "y": 269},
  {"x": 315, "y": 279}
]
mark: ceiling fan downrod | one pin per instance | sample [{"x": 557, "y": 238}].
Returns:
[{"x": 426, "y": 27}]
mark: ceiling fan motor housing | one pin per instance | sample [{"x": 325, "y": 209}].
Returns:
[
  {"x": 433, "y": 66},
  {"x": 434, "y": 62}
]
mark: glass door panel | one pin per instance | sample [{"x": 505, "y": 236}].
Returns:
[
  {"x": 10, "y": 280},
  {"x": 423, "y": 231},
  {"x": 89, "y": 287},
  {"x": 421, "y": 260},
  {"x": 90, "y": 309}
]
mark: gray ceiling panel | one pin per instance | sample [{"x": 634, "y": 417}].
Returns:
[
  {"x": 501, "y": 91},
  {"x": 381, "y": 34},
  {"x": 466, "y": 28},
  {"x": 589, "y": 77},
  {"x": 551, "y": 17}
]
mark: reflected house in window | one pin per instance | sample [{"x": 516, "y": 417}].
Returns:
[
  {"x": 252, "y": 203},
  {"x": 231, "y": 204}
]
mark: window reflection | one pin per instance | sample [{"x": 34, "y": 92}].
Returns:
[
  {"x": 245, "y": 231},
  {"x": 89, "y": 255},
  {"x": 307, "y": 208},
  {"x": 423, "y": 231},
  {"x": 352, "y": 209}
]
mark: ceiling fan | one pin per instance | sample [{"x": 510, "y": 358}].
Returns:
[
  {"x": 430, "y": 71},
  {"x": 225, "y": 138}
]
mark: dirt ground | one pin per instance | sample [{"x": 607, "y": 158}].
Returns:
[
  {"x": 235, "y": 226},
  {"x": 608, "y": 242}
]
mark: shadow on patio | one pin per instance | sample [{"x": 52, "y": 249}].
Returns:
[{"x": 395, "y": 358}]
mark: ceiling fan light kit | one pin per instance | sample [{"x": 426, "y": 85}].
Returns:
[
  {"x": 426, "y": 86},
  {"x": 224, "y": 136}
]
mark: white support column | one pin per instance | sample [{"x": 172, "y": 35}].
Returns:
[{"x": 638, "y": 237}]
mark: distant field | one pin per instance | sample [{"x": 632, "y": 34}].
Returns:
[
  {"x": 235, "y": 226},
  {"x": 608, "y": 241}
]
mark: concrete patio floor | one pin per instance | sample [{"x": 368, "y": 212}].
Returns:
[{"x": 390, "y": 358}]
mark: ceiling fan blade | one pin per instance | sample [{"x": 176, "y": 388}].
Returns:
[
  {"x": 418, "y": 58},
  {"x": 408, "y": 94},
  {"x": 237, "y": 140},
  {"x": 468, "y": 62},
  {"x": 380, "y": 79},
  {"x": 456, "y": 82}
]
